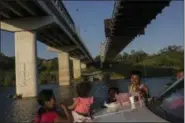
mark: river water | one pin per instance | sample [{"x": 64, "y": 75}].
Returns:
[{"x": 24, "y": 110}]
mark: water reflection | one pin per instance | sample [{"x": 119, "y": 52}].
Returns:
[{"x": 24, "y": 110}]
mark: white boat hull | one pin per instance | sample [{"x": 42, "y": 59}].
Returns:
[{"x": 126, "y": 114}]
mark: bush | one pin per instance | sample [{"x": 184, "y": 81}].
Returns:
[
  {"x": 116, "y": 76},
  {"x": 45, "y": 77},
  {"x": 1, "y": 78},
  {"x": 9, "y": 77}
]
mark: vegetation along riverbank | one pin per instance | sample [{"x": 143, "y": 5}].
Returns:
[{"x": 163, "y": 63}]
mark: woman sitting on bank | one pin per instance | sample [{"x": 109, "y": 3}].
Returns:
[
  {"x": 47, "y": 112},
  {"x": 137, "y": 89}
]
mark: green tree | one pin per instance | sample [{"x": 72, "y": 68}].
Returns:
[
  {"x": 1, "y": 78},
  {"x": 125, "y": 56},
  {"x": 97, "y": 58},
  {"x": 9, "y": 77},
  {"x": 118, "y": 57}
]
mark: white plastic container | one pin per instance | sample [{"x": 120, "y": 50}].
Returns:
[
  {"x": 112, "y": 107},
  {"x": 133, "y": 106}
]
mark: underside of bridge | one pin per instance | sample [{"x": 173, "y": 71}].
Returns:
[
  {"x": 55, "y": 37},
  {"x": 49, "y": 22},
  {"x": 130, "y": 18},
  {"x": 50, "y": 34}
]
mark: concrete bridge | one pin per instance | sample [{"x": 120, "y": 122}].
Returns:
[
  {"x": 129, "y": 19},
  {"x": 49, "y": 22}
]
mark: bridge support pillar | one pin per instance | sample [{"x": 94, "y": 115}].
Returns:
[
  {"x": 26, "y": 63},
  {"x": 64, "y": 68},
  {"x": 76, "y": 68},
  {"x": 83, "y": 65}
]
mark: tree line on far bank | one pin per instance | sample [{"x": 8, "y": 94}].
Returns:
[
  {"x": 168, "y": 57},
  {"x": 47, "y": 70},
  {"x": 171, "y": 57}
]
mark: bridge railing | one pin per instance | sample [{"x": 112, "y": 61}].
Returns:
[
  {"x": 69, "y": 20},
  {"x": 65, "y": 14},
  {"x": 104, "y": 48},
  {"x": 117, "y": 2},
  {"x": 106, "y": 45}
]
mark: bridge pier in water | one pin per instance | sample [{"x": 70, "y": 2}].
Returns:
[
  {"x": 26, "y": 63},
  {"x": 25, "y": 51},
  {"x": 42, "y": 21},
  {"x": 64, "y": 68},
  {"x": 76, "y": 68},
  {"x": 83, "y": 66}
]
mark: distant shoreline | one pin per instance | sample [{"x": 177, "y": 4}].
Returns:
[{"x": 56, "y": 83}]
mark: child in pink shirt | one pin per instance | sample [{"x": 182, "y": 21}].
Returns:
[{"x": 83, "y": 103}]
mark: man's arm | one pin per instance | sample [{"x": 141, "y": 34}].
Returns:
[
  {"x": 67, "y": 112},
  {"x": 91, "y": 111},
  {"x": 146, "y": 89}
]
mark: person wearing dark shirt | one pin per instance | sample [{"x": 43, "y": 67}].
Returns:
[{"x": 111, "y": 94}]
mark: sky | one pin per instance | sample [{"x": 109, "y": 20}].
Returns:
[{"x": 166, "y": 29}]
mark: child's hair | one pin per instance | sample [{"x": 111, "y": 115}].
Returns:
[
  {"x": 136, "y": 72},
  {"x": 83, "y": 89},
  {"x": 114, "y": 89},
  {"x": 45, "y": 95}
]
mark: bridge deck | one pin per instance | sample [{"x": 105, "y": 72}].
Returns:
[
  {"x": 129, "y": 20},
  {"x": 52, "y": 35}
]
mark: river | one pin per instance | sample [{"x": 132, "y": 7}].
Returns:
[{"x": 24, "y": 110}]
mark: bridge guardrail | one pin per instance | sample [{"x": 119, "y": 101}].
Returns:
[
  {"x": 104, "y": 49},
  {"x": 68, "y": 19},
  {"x": 106, "y": 45},
  {"x": 65, "y": 14},
  {"x": 117, "y": 2}
]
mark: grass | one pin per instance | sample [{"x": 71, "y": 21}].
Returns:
[
  {"x": 90, "y": 70},
  {"x": 78, "y": 79},
  {"x": 113, "y": 75},
  {"x": 116, "y": 76}
]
